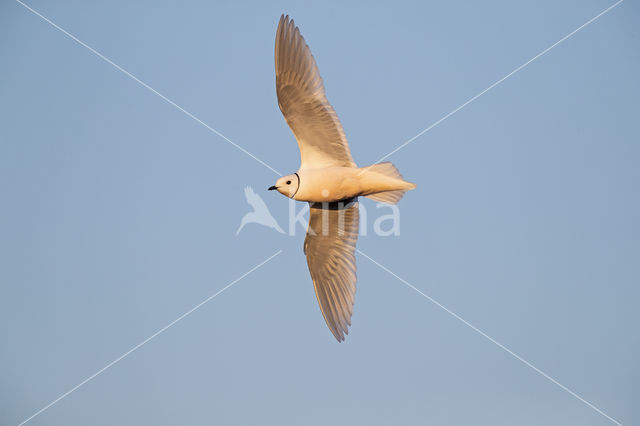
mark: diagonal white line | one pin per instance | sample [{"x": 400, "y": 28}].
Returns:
[
  {"x": 136, "y": 347},
  {"x": 492, "y": 340},
  {"x": 133, "y": 77},
  {"x": 497, "y": 82}
]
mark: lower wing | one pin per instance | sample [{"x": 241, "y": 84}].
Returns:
[{"x": 330, "y": 248}]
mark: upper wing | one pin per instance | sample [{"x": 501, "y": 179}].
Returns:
[
  {"x": 303, "y": 103},
  {"x": 330, "y": 245}
]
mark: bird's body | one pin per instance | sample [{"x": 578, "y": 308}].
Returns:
[
  {"x": 328, "y": 178},
  {"x": 341, "y": 183}
]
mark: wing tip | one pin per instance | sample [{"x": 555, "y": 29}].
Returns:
[
  {"x": 285, "y": 20},
  {"x": 340, "y": 335}
]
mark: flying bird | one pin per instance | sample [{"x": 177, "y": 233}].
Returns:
[
  {"x": 260, "y": 213},
  {"x": 328, "y": 178}
]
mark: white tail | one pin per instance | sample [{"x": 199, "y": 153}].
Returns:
[{"x": 389, "y": 170}]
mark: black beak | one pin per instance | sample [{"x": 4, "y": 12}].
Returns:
[{"x": 271, "y": 188}]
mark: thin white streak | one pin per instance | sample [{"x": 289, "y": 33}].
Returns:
[
  {"x": 497, "y": 82},
  {"x": 491, "y": 339},
  {"x": 136, "y": 347},
  {"x": 133, "y": 77}
]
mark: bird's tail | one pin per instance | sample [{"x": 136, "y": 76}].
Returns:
[{"x": 399, "y": 187}]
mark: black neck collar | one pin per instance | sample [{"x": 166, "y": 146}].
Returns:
[{"x": 294, "y": 194}]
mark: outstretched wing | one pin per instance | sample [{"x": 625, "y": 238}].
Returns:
[
  {"x": 330, "y": 245},
  {"x": 303, "y": 103}
]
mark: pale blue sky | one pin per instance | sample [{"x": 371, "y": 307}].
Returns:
[{"x": 119, "y": 214}]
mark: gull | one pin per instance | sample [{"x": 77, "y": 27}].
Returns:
[
  {"x": 260, "y": 213},
  {"x": 328, "y": 178}
]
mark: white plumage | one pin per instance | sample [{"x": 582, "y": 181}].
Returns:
[{"x": 328, "y": 178}]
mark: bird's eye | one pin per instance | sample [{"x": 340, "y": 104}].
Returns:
[{"x": 288, "y": 182}]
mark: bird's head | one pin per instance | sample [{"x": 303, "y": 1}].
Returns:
[{"x": 287, "y": 185}]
